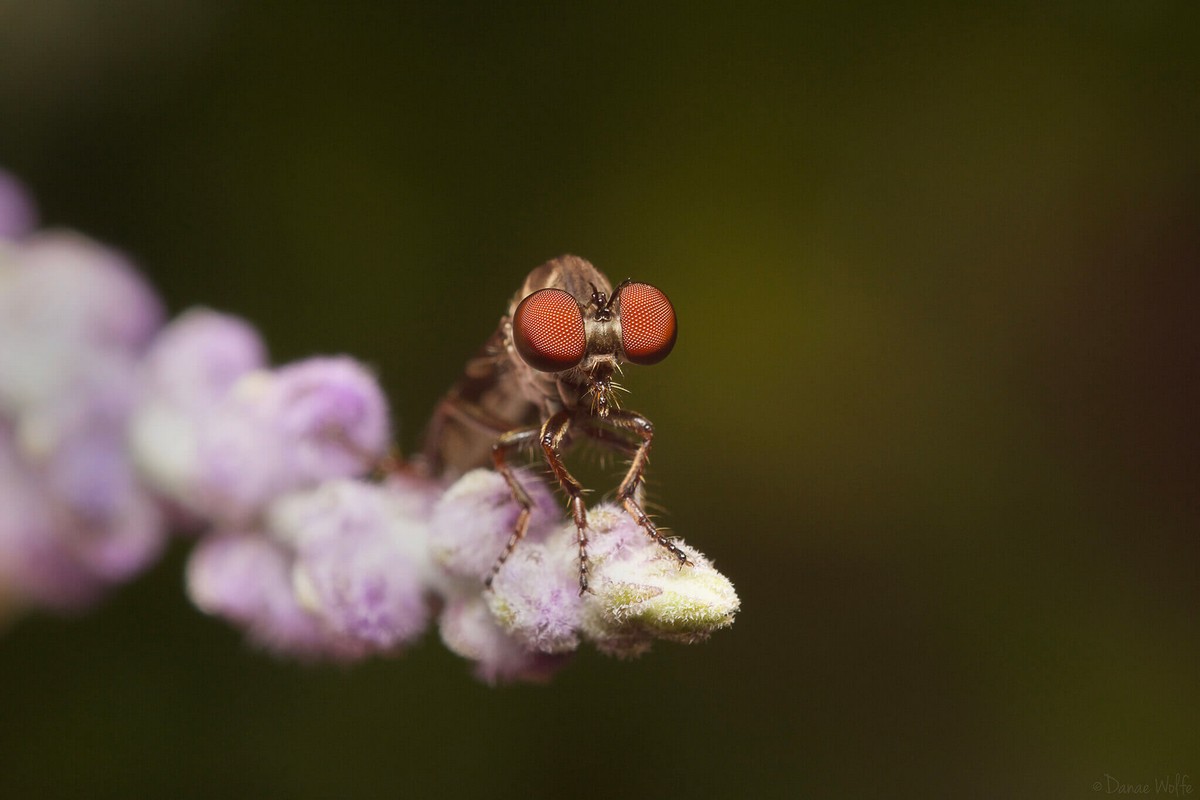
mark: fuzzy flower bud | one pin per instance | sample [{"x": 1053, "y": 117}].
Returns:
[
  {"x": 469, "y": 629},
  {"x": 332, "y": 414},
  {"x": 535, "y": 596},
  {"x": 224, "y": 437},
  {"x": 17, "y": 213},
  {"x": 74, "y": 319},
  {"x": 199, "y": 356},
  {"x": 639, "y": 592},
  {"x": 474, "y": 517},
  {"x": 642, "y": 593},
  {"x": 361, "y": 558},
  {"x": 246, "y": 578},
  {"x": 65, "y": 302},
  {"x": 187, "y": 372},
  {"x": 37, "y": 563}
]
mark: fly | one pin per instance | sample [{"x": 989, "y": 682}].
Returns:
[{"x": 545, "y": 377}]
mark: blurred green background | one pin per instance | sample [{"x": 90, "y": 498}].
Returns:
[{"x": 933, "y": 406}]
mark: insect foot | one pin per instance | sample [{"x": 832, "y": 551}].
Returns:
[{"x": 667, "y": 543}]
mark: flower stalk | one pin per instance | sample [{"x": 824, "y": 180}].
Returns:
[{"x": 117, "y": 429}]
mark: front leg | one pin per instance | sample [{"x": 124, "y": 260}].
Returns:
[
  {"x": 627, "y": 491},
  {"x": 554, "y": 430},
  {"x": 508, "y": 442}
]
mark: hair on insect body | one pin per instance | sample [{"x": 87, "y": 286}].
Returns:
[{"x": 545, "y": 379}]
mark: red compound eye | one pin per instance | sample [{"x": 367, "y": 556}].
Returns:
[
  {"x": 647, "y": 323},
  {"x": 548, "y": 330}
]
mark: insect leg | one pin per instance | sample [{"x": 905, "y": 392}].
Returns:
[
  {"x": 512, "y": 440},
  {"x": 553, "y": 432},
  {"x": 627, "y": 491}
]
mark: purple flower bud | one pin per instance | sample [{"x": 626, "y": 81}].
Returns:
[
  {"x": 17, "y": 212},
  {"x": 468, "y": 628},
  {"x": 333, "y": 416},
  {"x": 67, "y": 305},
  {"x": 361, "y": 559},
  {"x": 70, "y": 286},
  {"x": 73, "y": 526},
  {"x": 535, "y": 596},
  {"x": 107, "y": 520},
  {"x": 246, "y": 578},
  {"x": 271, "y": 433},
  {"x": 187, "y": 372},
  {"x": 474, "y": 518},
  {"x": 197, "y": 358},
  {"x": 239, "y": 462},
  {"x": 72, "y": 317},
  {"x": 125, "y": 543},
  {"x": 36, "y": 565},
  {"x": 97, "y": 384}
]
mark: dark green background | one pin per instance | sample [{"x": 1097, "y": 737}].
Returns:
[{"x": 933, "y": 406}]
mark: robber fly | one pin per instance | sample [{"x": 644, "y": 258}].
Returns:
[{"x": 545, "y": 377}]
